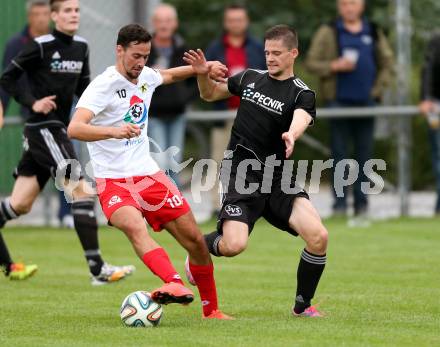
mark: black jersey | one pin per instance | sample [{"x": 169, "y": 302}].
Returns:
[
  {"x": 266, "y": 111},
  {"x": 55, "y": 64}
]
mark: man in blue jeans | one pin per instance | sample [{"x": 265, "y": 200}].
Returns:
[
  {"x": 354, "y": 62},
  {"x": 166, "y": 127},
  {"x": 430, "y": 105}
]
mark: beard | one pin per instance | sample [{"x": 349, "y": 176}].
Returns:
[{"x": 131, "y": 73}]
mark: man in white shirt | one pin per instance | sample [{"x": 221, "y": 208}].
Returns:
[{"x": 112, "y": 116}]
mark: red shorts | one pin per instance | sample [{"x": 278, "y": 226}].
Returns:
[{"x": 155, "y": 196}]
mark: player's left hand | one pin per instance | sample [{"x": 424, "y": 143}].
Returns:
[
  {"x": 289, "y": 140},
  {"x": 217, "y": 71},
  {"x": 197, "y": 60}
]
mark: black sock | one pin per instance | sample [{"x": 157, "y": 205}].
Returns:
[
  {"x": 5, "y": 258},
  {"x": 87, "y": 229},
  {"x": 212, "y": 240},
  {"x": 6, "y": 212},
  {"x": 310, "y": 269}
]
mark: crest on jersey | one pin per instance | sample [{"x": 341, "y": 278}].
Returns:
[
  {"x": 137, "y": 113},
  {"x": 144, "y": 88}
]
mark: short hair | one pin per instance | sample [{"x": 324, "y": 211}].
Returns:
[
  {"x": 31, "y": 3},
  {"x": 283, "y": 32},
  {"x": 235, "y": 7},
  {"x": 132, "y": 33},
  {"x": 55, "y": 5}
]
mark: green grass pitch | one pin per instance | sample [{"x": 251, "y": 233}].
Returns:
[{"x": 381, "y": 287}]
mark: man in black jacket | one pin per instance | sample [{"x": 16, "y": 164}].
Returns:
[
  {"x": 430, "y": 105},
  {"x": 57, "y": 68},
  {"x": 167, "y": 121},
  {"x": 38, "y": 21},
  {"x": 38, "y": 24}
]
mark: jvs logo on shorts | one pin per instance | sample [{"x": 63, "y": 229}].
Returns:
[{"x": 233, "y": 210}]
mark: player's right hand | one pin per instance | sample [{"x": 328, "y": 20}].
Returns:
[
  {"x": 45, "y": 105},
  {"x": 126, "y": 131}
]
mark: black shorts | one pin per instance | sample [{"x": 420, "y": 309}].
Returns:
[
  {"x": 44, "y": 150},
  {"x": 275, "y": 206}
]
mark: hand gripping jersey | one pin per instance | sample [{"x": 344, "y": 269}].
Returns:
[
  {"x": 115, "y": 101},
  {"x": 266, "y": 111}
]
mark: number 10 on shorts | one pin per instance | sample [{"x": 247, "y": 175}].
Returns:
[{"x": 175, "y": 201}]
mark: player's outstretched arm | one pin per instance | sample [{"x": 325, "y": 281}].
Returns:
[
  {"x": 216, "y": 70},
  {"x": 210, "y": 90},
  {"x": 300, "y": 122},
  {"x": 176, "y": 74},
  {"x": 81, "y": 129}
]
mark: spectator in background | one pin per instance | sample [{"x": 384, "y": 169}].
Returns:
[
  {"x": 430, "y": 104},
  {"x": 238, "y": 51},
  {"x": 167, "y": 122},
  {"x": 354, "y": 62},
  {"x": 38, "y": 24}
]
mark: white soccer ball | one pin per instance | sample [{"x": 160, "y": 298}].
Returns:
[{"x": 138, "y": 310}]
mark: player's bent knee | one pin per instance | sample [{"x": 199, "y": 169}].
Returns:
[
  {"x": 234, "y": 247},
  {"x": 80, "y": 194},
  {"x": 132, "y": 228},
  {"x": 22, "y": 208},
  {"x": 318, "y": 242},
  {"x": 324, "y": 238}
]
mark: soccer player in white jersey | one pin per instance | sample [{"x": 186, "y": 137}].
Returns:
[{"x": 112, "y": 116}]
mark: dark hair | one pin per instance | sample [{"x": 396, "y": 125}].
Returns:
[
  {"x": 133, "y": 33},
  {"x": 33, "y": 3},
  {"x": 235, "y": 7},
  {"x": 283, "y": 32},
  {"x": 55, "y": 5}
]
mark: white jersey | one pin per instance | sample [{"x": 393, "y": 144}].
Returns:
[{"x": 115, "y": 101}]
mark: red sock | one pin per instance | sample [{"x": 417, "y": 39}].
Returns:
[
  {"x": 204, "y": 277},
  {"x": 159, "y": 263}
]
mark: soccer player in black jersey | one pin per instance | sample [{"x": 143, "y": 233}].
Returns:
[
  {"x": 57, "y": 68},
  {"x": 276, "y": 108}
]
